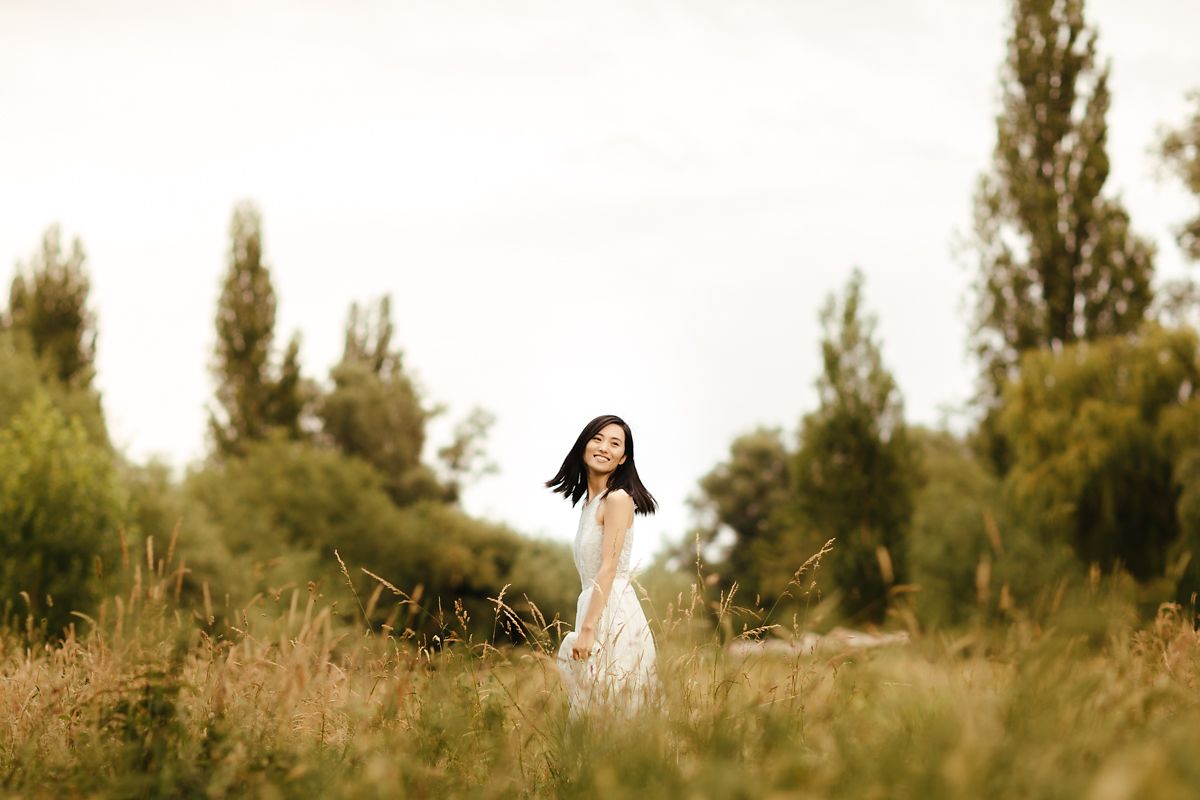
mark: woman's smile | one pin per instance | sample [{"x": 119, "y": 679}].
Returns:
[{"x": 606, "y": 448}]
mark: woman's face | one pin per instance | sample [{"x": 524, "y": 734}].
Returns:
[{"x": 606, "y": 450}]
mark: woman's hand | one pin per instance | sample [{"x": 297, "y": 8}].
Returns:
[{"x": 582, "y": 648}]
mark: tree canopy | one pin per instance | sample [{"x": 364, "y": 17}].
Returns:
[
  {"x": 374, "y": 411},
  {"x": 253, "y": 395},
  {"x": 1102, "y": 446},
  {"x": 48, "y": 306},
  {"x": 1058, "y": 259},
  {"x": 1180, "y": 151},
  {"x": 855, "y": 472}
]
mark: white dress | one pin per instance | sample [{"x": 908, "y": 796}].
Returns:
[{"x": 621, "y": 673}]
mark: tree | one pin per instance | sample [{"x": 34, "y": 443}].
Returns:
[
  {"x": 252, "y": 399},
  {"x": 855, "y": 473},
  {"x": 1058, "y": 261},
  {"x": 48, "y": 304},
  {"x": 374, "y": 411},
  {"x": 1180, "y": 151},
  {"x": 369, "y": 338},
  {"x": 465, "y": 458},
  {"x": 1104, "y": 442},
  {"x": 23, "y": 376},
  {"x": 60, "y": 506},
  {"x": 291, "y": 396},
  {"x": 743, "y": 496},
  {"x": 955, "y": 532},
  {"x": 286, "y": 506}
]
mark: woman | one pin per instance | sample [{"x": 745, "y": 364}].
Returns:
[{"x": 608, "y": 660}]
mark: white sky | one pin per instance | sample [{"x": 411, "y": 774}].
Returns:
[{"x": 630, "y": 207}]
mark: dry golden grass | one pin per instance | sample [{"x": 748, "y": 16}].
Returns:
[{"x": 283, "y": 698}]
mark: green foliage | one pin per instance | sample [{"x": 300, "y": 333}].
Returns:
[
  {"x": 156, "y": 503},
  {"x": 744, "y": 495},
  {"x": 465, "y": 458},
  {"x": 852, "y": 479},
  {"x": 1103, "y": 448},
  {"x": 245, "y": 329},
  {"x": 855, "y": 473},
  {"x": 291, "y": 396},
  {"x": 453, "y": 556},
  {"x": 1180, "y": 151},
  {"x": 183, "y": 534},
  {"x": 368, "y": 338},
  {"x": 252, "y": 398},
  {"x": 380, "y": 421},
  {"x": 48, "y": 304},
  {"x": 285, "y": 507},
  {"x": 950, "y": 539},
  {"x": 23, "y": 376},
  {"x": 1058, "y": 261},
  {"x": 374, "y": 411},
  {"x": 974, "y": 559},
  {"x": 1179, "y": 435},
  {"x": 60, "y": 507}
]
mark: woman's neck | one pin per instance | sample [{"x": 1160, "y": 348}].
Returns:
[{"x": 596, "y": 485}]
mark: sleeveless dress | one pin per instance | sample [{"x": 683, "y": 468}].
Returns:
[{"x": 620, "y": 674}]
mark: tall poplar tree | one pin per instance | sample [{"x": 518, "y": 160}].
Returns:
[
  {"x": 1058, "y": 261},
  {"x": 48, "y": 305},
  {"x": 252, "y": 399}
]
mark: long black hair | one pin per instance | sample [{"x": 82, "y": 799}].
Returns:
[{"x": 571, "y": 479}]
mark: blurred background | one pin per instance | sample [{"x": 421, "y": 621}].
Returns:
[{"x": 296, "y": 278}]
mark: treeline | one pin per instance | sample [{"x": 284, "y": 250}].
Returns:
[
  {"x": 1082, "y": 466},
  {"x": 298, "y": 469},
  {"x": 1084, "y": 462}
]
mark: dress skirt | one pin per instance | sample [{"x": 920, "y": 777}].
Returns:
[{"x": 620, "y": 675}]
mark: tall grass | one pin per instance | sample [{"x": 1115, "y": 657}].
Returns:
[{"x": 284, "y": 698}]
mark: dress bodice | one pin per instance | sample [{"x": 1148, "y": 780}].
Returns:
[{"x": 587, "y": 550}]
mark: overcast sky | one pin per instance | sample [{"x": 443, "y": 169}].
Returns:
[{"x": 629, "y": 207}]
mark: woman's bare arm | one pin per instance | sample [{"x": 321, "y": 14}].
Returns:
[{"x": 618, "y": 517}]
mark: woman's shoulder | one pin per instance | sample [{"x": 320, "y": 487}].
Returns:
[{"x": 618, "y": 498}]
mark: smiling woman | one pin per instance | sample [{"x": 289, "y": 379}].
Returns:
[{"x": 608, "y": 661}]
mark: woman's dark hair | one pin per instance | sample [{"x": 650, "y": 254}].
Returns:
[{"x": 571, "y": 479}]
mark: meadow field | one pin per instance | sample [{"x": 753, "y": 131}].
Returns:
[
  {"x": 289, "y": 697},
  {"x": 909, "y": 280}
]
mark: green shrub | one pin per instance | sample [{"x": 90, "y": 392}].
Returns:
[
  {"x": 60, "y": 507},
  {"x": 22, "y": 376},
  {"x": 284, "y": 508},
  {"x": 1103, "y": 446}
]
